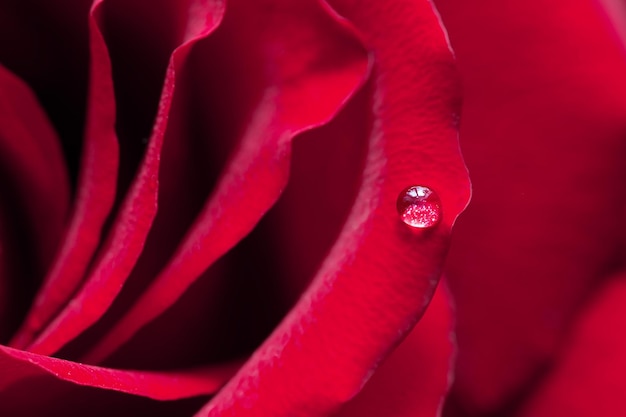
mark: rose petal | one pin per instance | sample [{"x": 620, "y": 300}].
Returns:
[
  {"x": 588, "y": 377},
  {"x": 413, "y": 380},
  {"x": 245, "y": 294},
  {"x": 35, "y": 192},
  {"x": 64, "y": 399},
  {"x": 542, "y": 132},
  {"x": 379, "y": 276},
  {"x": 141, "y": 37},
  {"x": 96, "y": 192},
  {"x": 305, "y": 67},
  {"x": 132, "y": 224},
  {"x": 158, "y": 385}
]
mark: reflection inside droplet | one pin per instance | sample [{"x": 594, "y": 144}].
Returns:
[{"x": 419, "y": 207}]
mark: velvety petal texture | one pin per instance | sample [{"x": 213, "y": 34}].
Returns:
[
  {"x": 542, "y": 131},
  {"x": 96, "y": 193},
  {"x": 208, "y": 223},
  {"x": 379, "y": 275},
  {"x": 131, "y": 225},
  {"x": 22, "y": 366},
  {"x": 279, "y": 106},
  {"x": 588, "y": 377},
  {"x": 414, "y": 380}
]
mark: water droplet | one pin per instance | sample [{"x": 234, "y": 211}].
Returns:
[{"x": 419, "y": 207}]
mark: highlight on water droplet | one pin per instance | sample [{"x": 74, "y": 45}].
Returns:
[{"x": 419, "y": 207}]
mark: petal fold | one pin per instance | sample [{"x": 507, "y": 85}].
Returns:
[
  {"x": 305, "y": 67},
  {"x": 93, "y": 202},
  {"x": 132, "y": 223},
  {"x": 379, "y": 276},
  {"x": 35, "y": 192},
  {"x": 414, "y": 379},
  {"x": 169, "y": 385}
]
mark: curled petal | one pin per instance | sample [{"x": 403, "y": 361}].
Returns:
[
  {"x": 131, "y": 225},
  {"x": 35, "y": 188},
  {"x": 414, "y": 379},
  {"x": 157, "y": 385},
  {"x": 379, "y": 276},
  {"x": 94, "y": 200},
  {"x": 307, "y": 67}
]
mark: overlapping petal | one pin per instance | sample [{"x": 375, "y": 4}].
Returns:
[
  {"x": 542, "y": 131},
  {"x": 35, "y": 194},
  {"x": 414, "y": 380},
  {"x": 306, "y": 65},
  {"x": 271, "y": 71},
  {"x": 93, "y": 202},
  {"x": 52, "y": 66},
  {"x": 378, "y": 276},
  {"x": 130, "y": 228},
  {"x": 21, "y": 366}
]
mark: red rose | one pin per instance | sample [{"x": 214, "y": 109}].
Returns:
[
  {"x": 161, "y": 236},
  {"x": 536, "y": 264}
]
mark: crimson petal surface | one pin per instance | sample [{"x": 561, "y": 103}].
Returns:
[{"x": 379, "y": 276}]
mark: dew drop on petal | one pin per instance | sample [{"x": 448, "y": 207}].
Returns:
[{"x": 419, "y": 207}]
